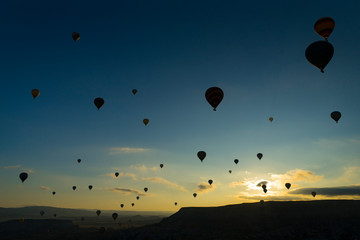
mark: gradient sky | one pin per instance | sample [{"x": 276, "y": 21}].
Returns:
[{"x": 172, "y": 52}]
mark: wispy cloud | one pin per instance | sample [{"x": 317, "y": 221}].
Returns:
[
  {"x": 204, "y": 187},
  {"x": 12, "y": 167},
  {"x": 330, "y": 191},
  {"x": 127, "y": 150},
  {"x": 127, "y": 191},
  {"x": 45, "y": 188},
  {"x": 236, "y": 183},
  {"x": 164, "y": 181},
  {"x": 121, "y": 174},
  {"x": 297, "y": 175},
  {"x": 144, "y": 168},
  {"x": 350, "y": 173}
]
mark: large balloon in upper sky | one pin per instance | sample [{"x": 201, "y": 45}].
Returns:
[
  {"x": 324, "y": 27},
  {"x": 98, "y": 212},
  {"x": 23, "y": 176},
  {"x": 336, "y": 116},
  {"x": 214, "y": 96},
  {"x": 236, "y": 161},
  {"x": 114, "y": 215},
  {"x": 259, "y": 155},
  {"x": 99, "y": 102},
  {"x": 146, "y": 121},
  {"x": 75, "y": 36},
  {"x": 319, "y": 54},
  {"x": 313, "y": 193},
  {"x": 288, "y": 185},
  {"x": 35, "y": 93},
  {"x": 201, "y": 155}
]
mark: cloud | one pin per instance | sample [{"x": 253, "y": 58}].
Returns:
[
  {"x": 204, "y": 187},
  {"x": 261, "y": 183},
  {"x": 237, "y": 183},
  {"x": 45, "y": 188},
  {"x": 297, "y": 175},
  {"x": 164, "y": 181},
  {"x": 126, "y": 191},
  {"x": 350, "y": 173},
  {"x": 11, "y": 167},
  {"x": 144, "y": 168},
  {"x": 122, "y": 150},
  {"x": 353, "y": 190},
  {"x": 121, "y": 174}
]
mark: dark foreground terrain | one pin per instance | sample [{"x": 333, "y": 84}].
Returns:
[{"x": 270, "y": 220}]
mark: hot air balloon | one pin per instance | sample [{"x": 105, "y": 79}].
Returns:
[
  {"x": 35, "y": 93},
  {"x": 132, "y": 204},
  {"x": 319, "y": 54},
  {"x": 336, "y": 116},
  {"x": 201, "y": 155},
  {"x": 259, "y": 155},
  {"x": 263, "y": 186},
  {"x": 116, "y": 174},
  {"x": 175, "y": 203},
  {"x": 210, "y": 181},
  {"x": 53, "y": 193},
  {"x": 194, "y": 194},
  {"x": 324, "y": 27},
  {"x": 288, "y": 185},
  {"x": 271, "y": 119},
  {"x": 98, "y": 212},
  {"x": 42, "y": 212},
  {"x": 214, "y": 96},
  {"x": 55, "y": 215},
  {"x": 137, "y": 198},
  {"x": 99, "y": 102},
  {"x": 114, "y": 215},
  {"x": 90, "y": 187},
  {"x": 265, "y": 190},
  {"x": 79, "y": 160},
  {"x": 230, "y": 171},
  {"x": 74, "y": 187},
  {"x": 121, "y": 205},
  {"x": 313, "y": 194},
  {"x": 146, "y": 189},
  {"x": 23, "y": 176},
  {"x": 236, "y": 161},
  {"x": 75, "y": 36},
  {"x": 134, "y": 91},
  {"x": 161, "y": 165},
  {"x": 146, "y": 121}
]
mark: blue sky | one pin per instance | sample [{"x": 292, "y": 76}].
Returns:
[{"x": 172, "y": 52}]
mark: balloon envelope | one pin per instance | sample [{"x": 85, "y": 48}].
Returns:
[
  {"x": 214, "y": 96},
  {"x": 74, "y": 187},
  {"x": 194, "y": 194},
  {"x": 201, "y": 155},
  {"x": 236, "y": 161},
  {"x": 116, "y": 174},
  {"x": 23, "y": 176},
  {"x": 230, "y": 171},
  {"x": 53, "y": 193},
  {"x": 35, "y": 93},
  {"x": 114, "y": 215},
  {"x": 90, "y": 187},
  {"x": 137, "y": 198},
  {"x": 161, "y": 165},
  {"x": 132, "y": 204},
  {"x": 210, "y": 181},
  {"x": 146, "y": 189},
  {"x": 98, "y": 212},
  {"x": 259, "y": 155},
  {"x": 75, "y": 36},
  {"x": 79, "y": 160},
  {"x": 99, "y": 102},
  {"x": 271, "y": 119},
  {"x": 134, "y": 91},
  {"x": 121, "y": 205},
  {"x": 288, "y": 185},
  {"x": 313, "y": 194},
  {"x": 336, "y": 116},
  {"x": 324, "y": 27},
  {"x": 175, "y": 203},
  {"x": 146, "y": 121},
  {"x": 319, "y": 54},
  {"x": 42, "y": 212}
]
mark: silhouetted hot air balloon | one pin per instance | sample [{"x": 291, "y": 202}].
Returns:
[
  {"x": 79, "y": 160},
  {"x": 324, "y": 27},
  {"x": 42, "y": 213},
  {"x": 265, "y": 190},
  {"x": 74, "y": 187},
  {"x": 288, "y": 185},
  {"x": 336, "y": 116},
  {"x": 35, "y": 93},
  {"x": 146, "y": 121},
  {"x": 53, "y": 193},
  {"x": 137, "y": 198},
  {"x": 161, "y": 165},
  {"x": 114, "y": 215},
  {"x": 271, "y": 119},
  {"x": 134, "y": 91},
  {"x": 121, "y": 205},
  {"x": 319, "y": 54},
  {"x": 175, "y": 203},
  {"x": 230, "y": 171},
  {"x": 210, "y": 181},
  {"x": 146, "y": 189},
  {"x": 313, "y": 194},
  {"x": 132, "y": 204},
  {"x": 214, "y": 96},
  {"x": 23, "y": 176},
  {"x": 90, "y": 187},
  {"x": 263, "y": 186},
  {"x": 75, "y": 36},
  {"x": 201, "y": 155},
  {"x": 194, "y": 194},
  {"x": 236, "y": 161},
  {"x": 99, "y": 102},
  {"x": 116, "y": 174},
  {"x": 259, "y": 155},
  {"x": 98, "y": 212},
  {"x": 55, "y": 215}
]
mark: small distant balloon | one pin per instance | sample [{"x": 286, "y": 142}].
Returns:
[
  {"x": 116, "y": 174},
  {"x": 259, "y": 156},
  {"x": 236, "y": 161},
  {"x": 271, "y": 119},
  {"x": 194, "y": 194},
  {"x": 79, "y": 160},
  {"x": 121, "y": 205},
  {"x": 53, "y": 193},
  {"x": 74, "y": 188},
  {"x": 90, "y": 187},
  {"x": 214, "y": 96},
  {"x": 161, "y": 165},
  {"x": 42, "y": 212},
  {"x": 313, "y": 194},
  {"x": 146, "y": 189},
  {"x": 132, "y": 204},
  {"x": 210, "y": 181},
  {"x": 288, "y": 185},
  {"x": 134, "y": 91},
  {"x": 35, "y": 93},
  {"x": 98, "y": 212},
  {"x": 99, "y": 102},
  {"x": 75, "y": 36},
  {"x": 114, "y": 215},
  {"x": 324, "y": 27},
  {"x": 335, "y": 116},
  {"x": 137, "y": 198},
  {"x": 146, "y": 121},
  {"x": 175, "y": 203},
  {"x": 201, "y": 155},
  {"x": 23, "y": 176},
  {"x": 230, "y": 171}
]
